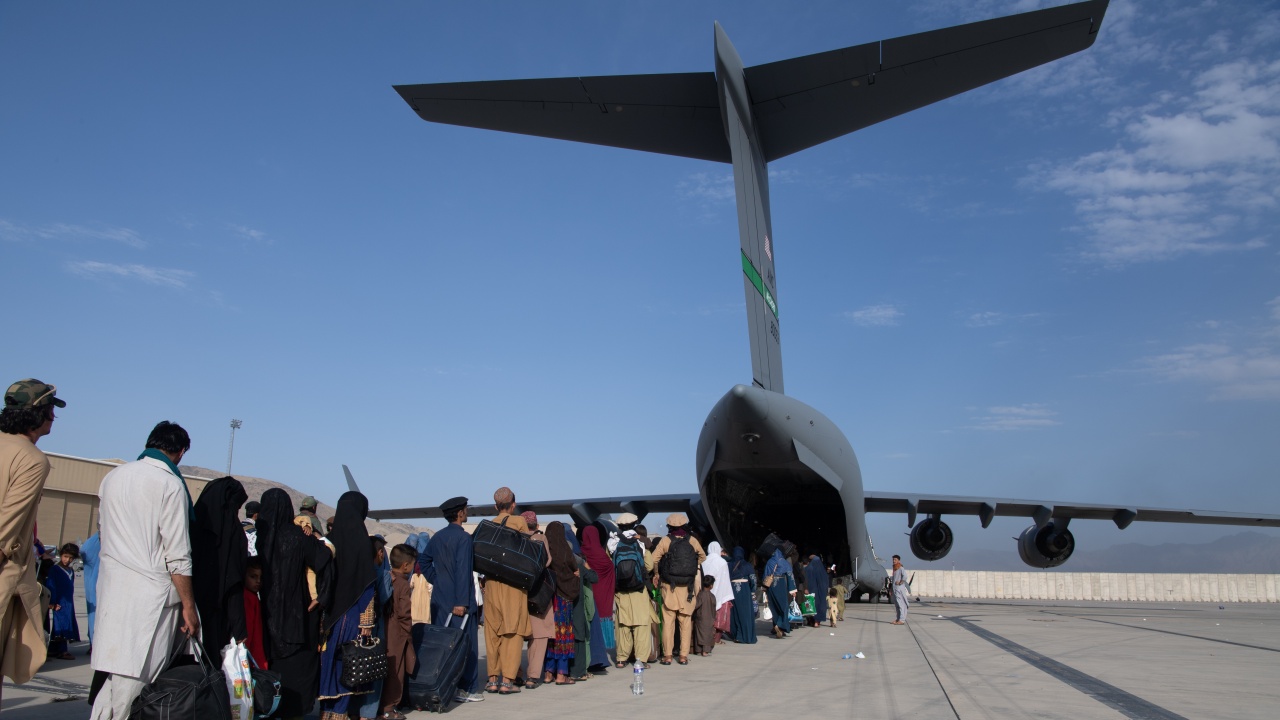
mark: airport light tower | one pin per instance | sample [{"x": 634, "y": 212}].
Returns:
[{"x": 231, "y": 447}]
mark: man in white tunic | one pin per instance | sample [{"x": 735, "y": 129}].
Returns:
[
  {"x": 144, "y": 584},
  {"x": 900, "y": 590}
]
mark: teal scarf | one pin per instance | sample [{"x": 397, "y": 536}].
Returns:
[{"x": 155, "y": 454}]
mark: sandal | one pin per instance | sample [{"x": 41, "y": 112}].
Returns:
[
  {"x": 619, "y": 664},
  {"x": 492, "y": 687},
  {"x": 664, "y": 661},
  {"x": 682, "y": 660},
  {"x": 566, "y": 681},
  {"x": 506, "y": 688},
  {"x": 532, "y": 684}
]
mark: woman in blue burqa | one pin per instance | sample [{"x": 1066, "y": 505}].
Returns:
[
  {"x": 816, "y": 575},
  {"x": 742, "y": 624},
  {"x": 781, "y": 586},
  {"x": 353, "y": 612}
]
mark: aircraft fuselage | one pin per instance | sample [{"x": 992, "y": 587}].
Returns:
[{"x": 770, "y": 463}]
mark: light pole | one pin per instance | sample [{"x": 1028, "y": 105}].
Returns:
[{"x": 235, "y": 425}]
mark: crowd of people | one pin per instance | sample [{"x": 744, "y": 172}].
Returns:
[{"x": 295, "y": 590}]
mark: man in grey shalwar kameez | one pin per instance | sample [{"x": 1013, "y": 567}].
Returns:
[
  {"x": 900, "y": 589},
  {"x": 144, "y": 580}
]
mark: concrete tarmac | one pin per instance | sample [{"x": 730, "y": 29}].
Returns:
[{"x": 980, "y": 659}]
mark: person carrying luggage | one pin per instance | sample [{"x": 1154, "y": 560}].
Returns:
[
  {"x": 678, "y": 557},
  {"x": 448, "y": 568},
  {"x": 506, "y": 611}
]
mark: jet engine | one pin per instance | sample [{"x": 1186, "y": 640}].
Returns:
[
  {"x": 1046, "y": 546},
  {"x": 931, "y": 539}
]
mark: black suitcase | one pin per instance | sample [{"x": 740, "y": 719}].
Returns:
[
  {"x": 442, "y": 651},
  {"x": 507, "y": 555},
  {"x": 773, "y": 542}
]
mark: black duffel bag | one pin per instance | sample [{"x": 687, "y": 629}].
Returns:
[
  {"x": 506, "y": 555},
  {"x": 542, "y": 593},
  {"x": 190, "y": 692}
]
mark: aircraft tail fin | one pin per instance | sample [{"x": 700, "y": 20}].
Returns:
[{"x": 351, "y": 481}]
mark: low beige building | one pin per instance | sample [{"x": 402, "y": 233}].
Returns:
[{"x": 68, "y": 510}]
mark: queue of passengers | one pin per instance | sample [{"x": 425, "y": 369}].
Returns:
[{"x": 164, "y": 568}]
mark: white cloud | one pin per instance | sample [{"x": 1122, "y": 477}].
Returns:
[
  {"x": 875, "y": 316},
  {"x": 711, "y": 187},
  {"x": 165, "y": 277},
  {"x": 67, "y": 231},
  {"x": 1250, "y": 374},
  {"x": 1015, "y": 417},
  {"x": 1238, "y": 366},
  {"x": 984, "y": 319},
  {"x": 1196, "y": 169},
  {"x": 249, "y": 233}
]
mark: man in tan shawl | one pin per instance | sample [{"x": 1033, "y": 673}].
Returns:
[
  {"x": 506, "y": 611},
  {"x": 678, "y": 598},
  {"x": 27, "y": 416}
]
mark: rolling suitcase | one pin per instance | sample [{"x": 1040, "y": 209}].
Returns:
[
  {"x": 507, "y": 555},
  {"x": 442, "y": 651}
]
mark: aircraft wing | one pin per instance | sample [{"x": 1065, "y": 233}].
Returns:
[
  {"x": 1044, "y": 510},
  {"x": 584, "y": 511},
  {"x": 804, "y": 101},
  {"x": 673, "y": 114}
]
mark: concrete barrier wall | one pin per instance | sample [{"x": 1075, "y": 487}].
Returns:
[{"x": 1128, "y": 587}]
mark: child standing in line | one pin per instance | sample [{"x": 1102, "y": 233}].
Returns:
[
  {"x": 704, "y": 618},
  {"x": 401, "y": 657},
  {"x": 61, "y": 582},
  {"x": 833, "y": 596},
  {"x": 253, "y": 612}
]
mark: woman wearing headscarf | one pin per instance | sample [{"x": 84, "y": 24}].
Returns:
[
  {"x": 291, "y": 631},
  {"x": 742, "y": 576},
  {"x": 583, "y": 611},
  {"x": 602, "y": 632},
  {"x": 781, "y": 586},
  {"x": 353, "y": 612},
  {"x": 717, "y": 567},
  {"x": 568, "y": 587},
  {"x": 219, "y": 553},
  {"x": 816, "y": 575}
]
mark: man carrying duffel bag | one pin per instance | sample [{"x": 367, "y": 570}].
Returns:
[{"x": 506, "y": 610}]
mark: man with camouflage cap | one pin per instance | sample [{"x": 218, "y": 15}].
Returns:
[
  {"x": 308, "y": 507},
  {"x": 27, "y": 416}
]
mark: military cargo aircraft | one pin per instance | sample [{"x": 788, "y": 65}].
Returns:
[{"x": 767, "y": 462}]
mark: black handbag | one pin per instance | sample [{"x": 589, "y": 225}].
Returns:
[
  {"x": 266, "y": 690},
  {"x": 191, "y": 692},
  {"x": 364, "y": 660}
]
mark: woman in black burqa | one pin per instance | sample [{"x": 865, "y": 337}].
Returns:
[
  {"x": 352, "y": 612},
  {"x": 219, "y": 553},
  {"x": 291, "y": 633}
]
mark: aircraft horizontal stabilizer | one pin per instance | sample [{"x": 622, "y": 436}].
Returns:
[
  {"x": 673, "y": 114},
  {"x": 1042, "y": 511},
  {"x": 805, "y": 101}
]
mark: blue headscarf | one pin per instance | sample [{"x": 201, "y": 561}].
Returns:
[
  {"x": 573, "y": 540},
  {"x": 777, "y": 565},
  {"x": 739, "y": 568}
]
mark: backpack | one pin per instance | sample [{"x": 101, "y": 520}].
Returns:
[
  {"x": 679, "y": 567},
  {"x": 628, "y": 565}
]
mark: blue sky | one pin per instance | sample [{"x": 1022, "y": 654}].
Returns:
[{"x": 1062, "y": 286}]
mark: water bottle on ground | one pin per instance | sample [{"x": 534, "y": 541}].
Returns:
[{"x": 637, "y": 683}]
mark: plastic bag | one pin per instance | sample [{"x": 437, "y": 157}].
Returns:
[
  {"x": 235, "y": 665},
  {"x": 794, "y": 613}
]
